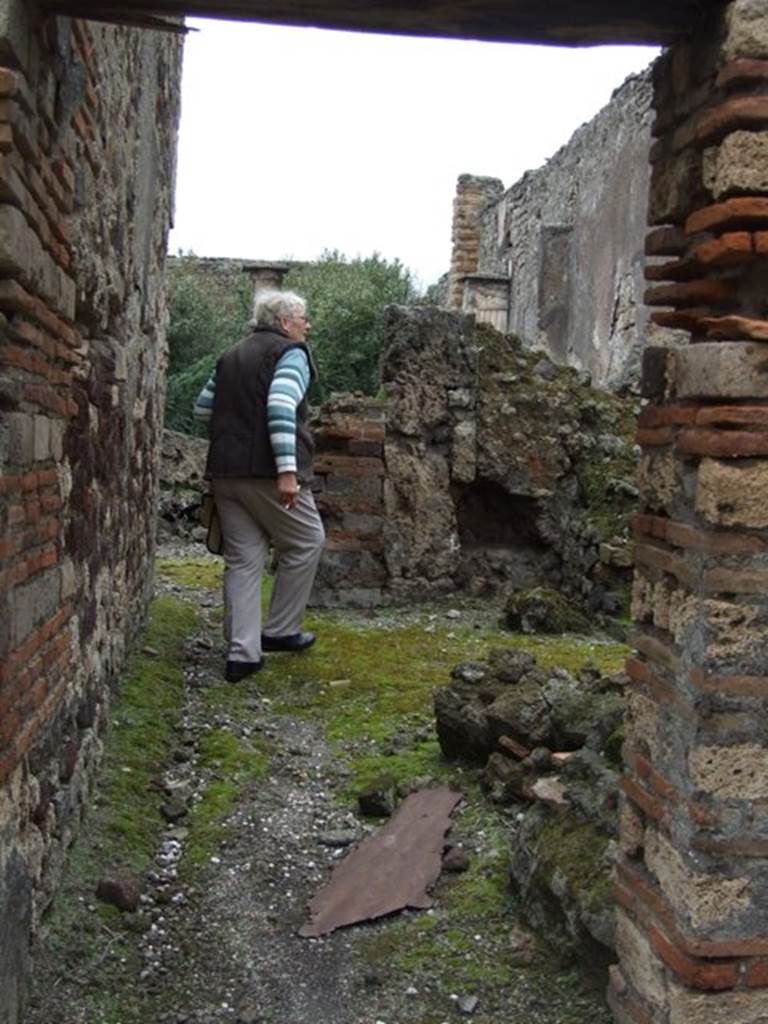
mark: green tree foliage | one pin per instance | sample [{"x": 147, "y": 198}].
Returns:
[
  {"x": 345, "y": 299},
  {"x": 183, "y": 389},
  {"x": 210, "y": 305}
]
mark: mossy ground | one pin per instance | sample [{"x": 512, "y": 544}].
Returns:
[{"x": 367, "y": 684}]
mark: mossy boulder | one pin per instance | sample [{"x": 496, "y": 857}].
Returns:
[
  {"x": 562, "y": 867},
  {"x": 513, "y": 697},
  {"x": 543, "y": 610}
]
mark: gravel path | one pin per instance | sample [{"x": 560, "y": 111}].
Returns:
[{"x": 225, "y": 949}]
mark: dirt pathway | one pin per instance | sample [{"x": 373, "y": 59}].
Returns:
[{"x": 247, "y": 802}]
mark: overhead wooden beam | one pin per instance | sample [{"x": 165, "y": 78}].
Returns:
[{"x": 557, "y": 22}]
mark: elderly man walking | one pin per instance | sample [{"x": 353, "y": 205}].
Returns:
[{"x": 260, "y": 465}]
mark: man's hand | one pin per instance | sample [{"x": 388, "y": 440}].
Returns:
[{"x": 288, "y": 488}]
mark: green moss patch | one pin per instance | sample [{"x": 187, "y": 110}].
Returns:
[
  {"x": 202, "y": 573},
  {"x": 234, "y": 763},
  {"x": 125, "y": 825}
]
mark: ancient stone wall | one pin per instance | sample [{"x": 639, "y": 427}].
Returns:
[
  {"x": 693, "y": 881},
  {"x": 559, "y": 255},
  {"x": 486, "y": 469},
  {"x": 88, "y": 118}
]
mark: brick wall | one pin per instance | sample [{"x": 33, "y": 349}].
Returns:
[
  {"x": 88, "y": 118},
  {"x": 349, "y": 489},
  {"x": 692, "y": 884}
]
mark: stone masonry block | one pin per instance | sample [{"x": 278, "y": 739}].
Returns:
[
  {"x": 687, "y": 1006},
  {"x": 674, "y": 181},
  {"x": 738, "y": 164},
  {"x": 643, "y": 968},
  {"x": 657, "y": 480},
  {"x": 642, "y": 722},
  {"x": 746, "y": 32},
  {"x": 22, "y": 256},
  {"x": 42, "y": 435},
  {"x": 33, "y": 603},
  {"x": 721, "y": 370},
  {"x": 733, "y": 494},
  {"x": 655, "y": 364},
  {"x": 19, "y": 430},
  {"x": 735, "y": 772},
  {"x": 702, "y": 899}
]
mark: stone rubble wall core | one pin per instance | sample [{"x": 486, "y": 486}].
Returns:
[{"x": 88, "y": 120}]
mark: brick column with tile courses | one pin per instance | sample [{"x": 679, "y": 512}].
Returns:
[
  {"x": 692, "y": 880},
  {"x": 88, "y": 117},
  {"x": 349, "y": 489},
  {"x": 473, "y": 194}
]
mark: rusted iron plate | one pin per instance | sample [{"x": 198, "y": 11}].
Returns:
[{"x": 390, "y": 870}]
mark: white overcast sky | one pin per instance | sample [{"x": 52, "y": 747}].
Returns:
[{"x": 298, "y": 140}]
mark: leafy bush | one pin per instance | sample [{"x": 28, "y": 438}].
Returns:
[
  {"x": 210, "y": 305},
  {"x": 345, "y": 299}
]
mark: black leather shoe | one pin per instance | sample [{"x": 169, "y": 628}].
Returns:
[
  {"x": 291, "y": 642},
  {"x": 237, "y": 670}
]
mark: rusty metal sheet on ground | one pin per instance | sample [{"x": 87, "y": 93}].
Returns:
[{"x": 391, "y": 869}]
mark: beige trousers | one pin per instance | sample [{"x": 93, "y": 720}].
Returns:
[{"x": 252, "y": 519}]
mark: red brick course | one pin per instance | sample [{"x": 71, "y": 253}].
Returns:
[
  {"x": 646, "y": 677},
  {"x": 742, "y": 72},
  {"x": 735, "y": 327},
  {"x": 731, "y": 686},
  {"x": 643, "y": 899},
  {"x": 708, "y": 290},
  {"x": 732, "y": 115},
  {"x": 722, "y": 443},
  {"x": 348, "y": 465},
  {"x": 748, "y": 212},
  {"x": 735, "y": 581},
  {"x": 730, "y": 249},
  {"x": 682, "y": 535}
]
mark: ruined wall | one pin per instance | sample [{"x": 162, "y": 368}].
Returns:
[
  {"x": 88, "y": 118},
  {"x": 487, "y": 469},
  {"x": 692, "y": 929},
  {"x": 562, "y": 249}
]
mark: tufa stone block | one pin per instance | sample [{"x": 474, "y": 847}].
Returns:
[
  {"x": 746, "y": 36},
  {"x": 704, "y": 900},
  {"x": 721, "y": 370},
  {"x": 686, "y": 1006},
  {"x": 735, "y": 772},
  {"x": 738, "y": 164},
  {"x": 733, "y": 494}
]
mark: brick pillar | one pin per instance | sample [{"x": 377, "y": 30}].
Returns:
[
  {"x": 692, "y": 883},
  {"x": 472, "y": 196}
]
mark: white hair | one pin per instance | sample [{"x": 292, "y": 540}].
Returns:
[{"x": 270, "y": 306}]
